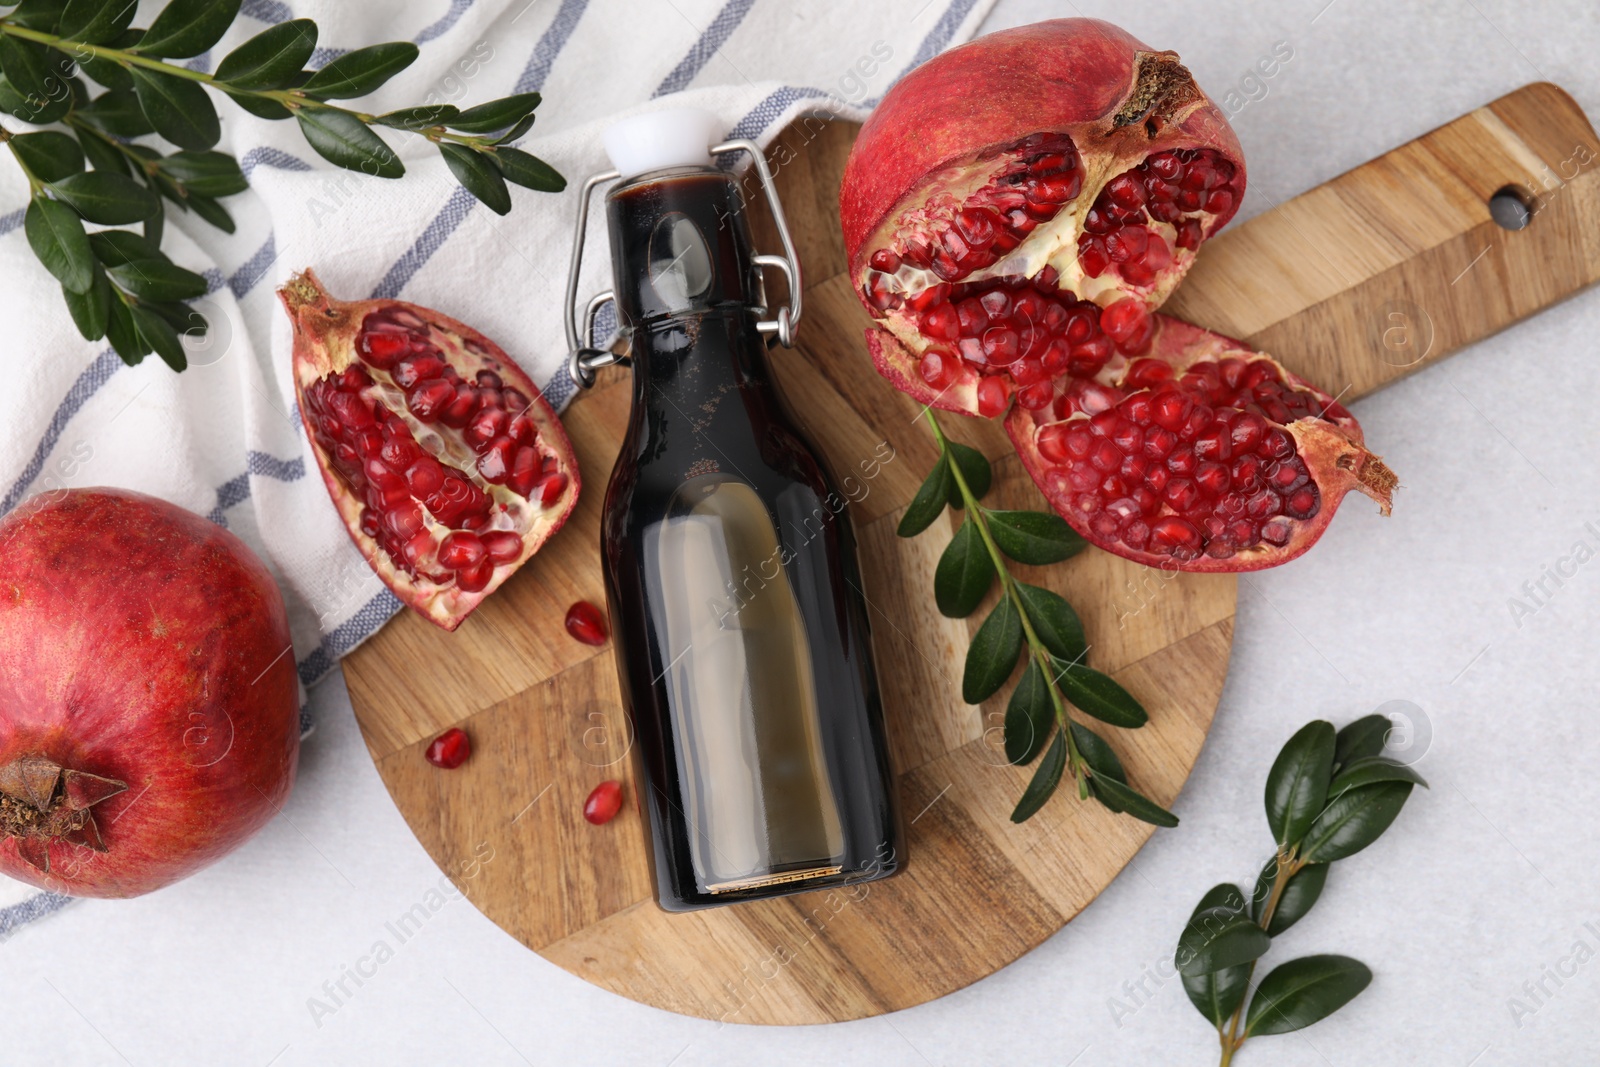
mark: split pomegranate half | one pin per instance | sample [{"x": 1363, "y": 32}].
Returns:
[
  {"x": 1199, "y": 454},
  {"x": 1017, "y": 205},
  {"x": 447, "y": 464}
]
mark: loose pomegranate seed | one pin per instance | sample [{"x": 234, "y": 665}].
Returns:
[
  {"x": 585, "y": 623},
  {"x": 450, "y": 749},
  {"x": 604, "y": 801}
]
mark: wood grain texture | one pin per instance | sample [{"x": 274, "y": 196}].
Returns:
[{"x": 1354, "y": 284}]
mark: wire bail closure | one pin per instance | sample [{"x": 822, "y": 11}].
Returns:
[{"x": 584, "y": 360}]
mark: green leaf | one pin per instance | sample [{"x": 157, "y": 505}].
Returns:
[
  {"x": 478, "y": 175},
  {"x": 1097, "y": 694},
  {"x": 91, "y": 310},
  {"x": 1371, "y": 770},
  {"x": 42, "y": 15},
  {"x": 1034, "y": 537},
  {"x": 1219, "y": 937},
  {"x": 123, "y": 334},
  {"x": 992, "y": 656},
  {"x": 975, "y": 470},
  {"x": 207, "y": 173},
  {"x": 182, "y": 317},
  {"x": 528, "y": 171},
  {"x": 1362, "y": 738},
  {"x": 516, "y": 131},
  {"x": 1353, "y": 820},
  {"x": 1218, "y": 995},
  {"x": 271, "y": 58},
  {"x": 361, "y": 72},
  {"x": 343, "y": 140},
  {"x": 1030, "y": 714},
  {"x": 102, "y": 156},
  {"x": 1304, "y": 991},
  {"x": 418, "y": 118},
  {"x": 107, "y": 72},
  {"x": 186, "y": 28},
  {"x": 964, "y": 574},
  {"x": 55, "y": 232},
  {"x": 96, "y": 21},
  {"x": 495, "y": 115},
  {"x": 151, "y": 279},
  {"x": 1054, "y": 621},
  {"x": 32, "y": 70},
  {"x": 1297, "y": 785},
  {"x": 117, "y": 248},
  {"x": 50, "y": 155},
  {"x": 260, "y": 106},
  {"x": 117, "y": 113},
  {"x": 1299, "y": 894},
  {"x": 155, "y": 226},
  {"x": 929, "y": 502},
  {"x": 1100, "y": 757},
  {"x": 178, "y": 108},
  {"x": 212, "y": 212},
  {"x": 158, "y": 333},
  {"x": 109, "y": 199},
  {"x": 1044, "y": 781},
  {"x": 1119, "y": 796}
]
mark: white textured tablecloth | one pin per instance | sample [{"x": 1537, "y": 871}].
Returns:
[{"x": 1472, "y": 911}]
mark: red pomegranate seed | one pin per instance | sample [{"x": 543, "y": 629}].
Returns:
[
  {"x": 604, "y": 801},
  {"x": 585, "y": 623},
  {"x": 992, "y": 397},
  {"x": 450, "y": 749},
  {"x": 503, "y": 546}
]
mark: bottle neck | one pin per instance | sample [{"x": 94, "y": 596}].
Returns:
[{"x": 680, "y": 248}]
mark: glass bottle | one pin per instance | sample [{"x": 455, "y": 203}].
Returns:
[{"x": 730, "y": 563}]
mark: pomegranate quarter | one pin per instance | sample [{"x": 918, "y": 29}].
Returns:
[
  {"x": 448, "y": 466},
  {"x": 1013, "y": 251},
  {"x": 1200, "y": 454}
]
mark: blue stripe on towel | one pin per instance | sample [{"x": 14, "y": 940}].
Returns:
[
  {"x": 236, "y": 490},
  {"x": 553, "y": 40},
  {"x": 267, "y": 10},
  {"x": 33, "y": 908},
  {"x": 276, "y": 158},
  {"x": 714, "y": 37},
  {"x": 87, "y": 384},
  {"x": 445, "y": 24},
  {"x": 347, "y": 635}
]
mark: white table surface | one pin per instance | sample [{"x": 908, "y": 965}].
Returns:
[{"x": 1483, "y": 885}]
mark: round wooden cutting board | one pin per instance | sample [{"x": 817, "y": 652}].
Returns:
[{"x": 543, "y": 710}]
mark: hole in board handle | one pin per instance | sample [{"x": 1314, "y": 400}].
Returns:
[{"x": 1512, "y": 207}]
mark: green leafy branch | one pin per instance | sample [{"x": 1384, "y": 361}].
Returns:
[
  {"x": 1328, "y": 797},
  {"x": 1031, "y": 620},
  {"x": 120, "y": 286}
]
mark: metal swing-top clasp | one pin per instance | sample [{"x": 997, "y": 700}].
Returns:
[{"x": 585, "y": 360}]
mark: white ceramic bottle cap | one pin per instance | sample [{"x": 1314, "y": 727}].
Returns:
[{"x": 676, "y": 137}]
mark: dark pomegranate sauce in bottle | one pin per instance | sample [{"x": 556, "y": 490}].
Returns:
[{"x": 734, "y": 593}]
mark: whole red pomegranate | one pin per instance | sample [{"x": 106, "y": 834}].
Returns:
[
  {"x": 1015, "y": 207},
  {"x": 148, "y": 706},
  {"x": 448, "y": 466},
  {"x": 1199, "y": 454}
]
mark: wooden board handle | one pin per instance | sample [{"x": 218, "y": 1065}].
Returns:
[{"x": 1398, "y": 263}]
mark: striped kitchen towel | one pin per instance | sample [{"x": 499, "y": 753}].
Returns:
[{"x": 224, "y": 438}]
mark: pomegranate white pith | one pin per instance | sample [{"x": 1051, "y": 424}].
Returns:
[{"x": 447, "y": 465}]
